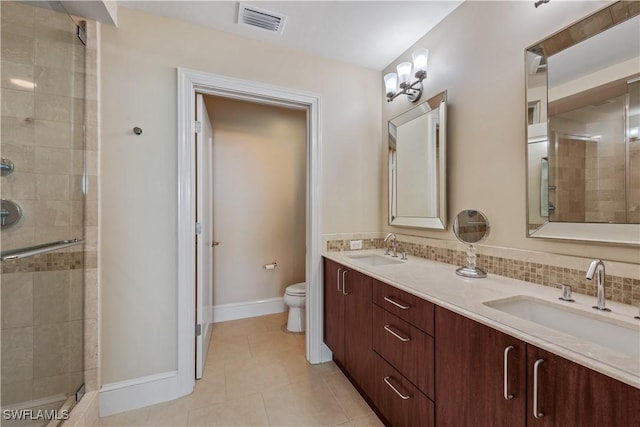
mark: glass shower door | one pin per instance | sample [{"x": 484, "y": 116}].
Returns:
[{"x": 42, "y": 187}]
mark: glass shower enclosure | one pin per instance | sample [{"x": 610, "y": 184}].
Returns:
[{"x": 42, "y": 145}]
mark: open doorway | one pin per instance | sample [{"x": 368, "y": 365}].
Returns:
[{"x": 192, "y": 82}]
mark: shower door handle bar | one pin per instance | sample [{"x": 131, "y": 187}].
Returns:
[{"x": 38, "y": 249}]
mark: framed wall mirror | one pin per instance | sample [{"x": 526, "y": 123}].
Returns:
[
  {"x": 583, "y": 122},
  {"x": 417, "y": 166}
]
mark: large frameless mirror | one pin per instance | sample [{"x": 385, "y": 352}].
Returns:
[
  {"x": 417, "y": 166},
  {"x": 583, "y": 118}
]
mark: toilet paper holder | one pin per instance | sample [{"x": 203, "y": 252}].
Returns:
[{"x": 271, "y": 266}]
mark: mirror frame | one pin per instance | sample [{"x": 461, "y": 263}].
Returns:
[
  {"x": 593, "y": 24},
  {"x": 438, "y": 222}
]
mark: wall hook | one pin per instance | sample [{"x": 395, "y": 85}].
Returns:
[{"x": 137, "y": 130}]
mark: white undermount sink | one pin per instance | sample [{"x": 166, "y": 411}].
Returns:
[
  {"x": 373, "y": 259},
  {"x": 616, "y": 335}
]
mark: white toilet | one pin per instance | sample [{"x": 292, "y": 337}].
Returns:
[{"x": 295, "y": 297}]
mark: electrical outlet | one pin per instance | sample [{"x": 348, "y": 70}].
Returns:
[{"x": 355, "y": 244}]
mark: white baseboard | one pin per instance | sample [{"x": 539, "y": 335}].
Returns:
[
  {"x": 139, "y": 392},
  {"x": 243, "y": 310}
]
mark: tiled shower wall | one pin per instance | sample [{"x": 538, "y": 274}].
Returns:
[
  {"x": 42, "y": 133},
  {"x": 536, "y": 267}
]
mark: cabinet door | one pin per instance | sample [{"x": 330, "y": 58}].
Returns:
[
  {"x": 470, "y": 374},
  {"x": 359, "y": 329},
  {"x": 569, "y": 394},
  {"x": 334, "y": 308}
]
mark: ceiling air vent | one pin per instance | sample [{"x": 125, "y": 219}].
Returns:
[{"x": 259, "y": 18}]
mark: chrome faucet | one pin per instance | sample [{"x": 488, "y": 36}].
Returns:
[
  {"x": 597, "y": 267},
  {"x": 391, "y": 237}
]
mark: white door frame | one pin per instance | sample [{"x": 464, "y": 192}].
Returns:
[{"x": 190, "y": 82}]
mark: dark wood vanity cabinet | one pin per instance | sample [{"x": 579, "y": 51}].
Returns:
[
  {"x": 399, "y": 401},
  {"x": 405, "y": 376},
  {"x": 347, "y": 321},
  {"x": 423, "y": 365},
  {"x": 568, "y": 394},
  {"x": 473, "y": 360}
]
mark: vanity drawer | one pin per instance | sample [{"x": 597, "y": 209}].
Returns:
[
  {"x": 407, "y": 348},
  {"x": 418, "y": 312},
  {"x": 399, "y": 401}
]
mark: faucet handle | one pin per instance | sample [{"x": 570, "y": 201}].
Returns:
[{"x": 566, "y": 293}]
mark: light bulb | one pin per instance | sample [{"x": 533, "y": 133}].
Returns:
[
  {"x": 404, "y": 74},
  {"x": 390, "y": 83},
  {"x": 420, "y": 58}
]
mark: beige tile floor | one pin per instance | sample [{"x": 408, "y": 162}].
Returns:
[{"x": 257, "y": 375}]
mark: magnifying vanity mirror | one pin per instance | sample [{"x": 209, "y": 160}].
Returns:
[
  {"x": 583, "y": 122},
  {"x": 417, "y": 166},
  {"x": 471, "y": 226}
]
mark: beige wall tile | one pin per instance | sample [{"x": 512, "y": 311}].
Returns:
[
  {"x": 53, "y": 81},
  {"x": 17, "y": 392},
  {"x": 50, "y": 386},
  {"x": 51, "y": 296},
  {"x": 52, "y": 213},
  {"x": 17, "y": 300},
  {"x": 17, "y": 103},
  {"x": 13, "y": 74},
  {"x": 53, "y": 54},
  {"x": 52, "y": 134},
  {"x": 16, "y": 18},
  {"x": 23, "y": 156},
  {"x": 51, "y": 350},
  {"x": 19, "y": 186},
  {"x": 91, "y": 344},
  {"x": 52, "y": 233},
  {"x": 53, "y": 160},
  {"x": 76, "y": 295},
  {"x": 17, "y": 355},
  {"x": 79, "y": 85},
  {"x": 17, "y": 48},
  {"x": 17, "y": 131},
  {"x": 18, "y": 237},
  {"x": 52, "y": 187},
  {"x": 52, "y": 107},
  {"x": 76, "y": 346}
]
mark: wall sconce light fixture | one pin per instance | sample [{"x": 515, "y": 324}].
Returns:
[{"x": 399, "y": 83}]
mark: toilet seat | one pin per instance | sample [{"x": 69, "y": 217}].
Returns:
[{"x": 299, "y": 289}]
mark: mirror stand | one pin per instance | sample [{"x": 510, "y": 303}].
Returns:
[
  {"x": 471, "y": 270},
  {"x": 471, "y": 226}
]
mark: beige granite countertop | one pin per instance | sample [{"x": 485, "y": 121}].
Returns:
[{"x": 437, "y": 282}]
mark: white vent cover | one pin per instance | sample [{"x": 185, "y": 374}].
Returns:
[{"x": 259, "y": 18}]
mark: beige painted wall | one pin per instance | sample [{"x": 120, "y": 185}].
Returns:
[
  {"x": 477, "y": 55},
  {"x": 139, "y": 173},
  {"x": 259, "y": 199}
]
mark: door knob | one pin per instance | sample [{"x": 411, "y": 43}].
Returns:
[{"x": 215, "y": 243}]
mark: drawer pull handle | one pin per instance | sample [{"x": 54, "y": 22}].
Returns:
[
  {"x": 344, "y": 284},
  {"x": 338, "y": 280},
  {"x": 507, "y": 396},
  {"x": 397, "y": 304},
  {"x": 402, "y": 396},
  {"x": 395, "y": 334},
  {"x": 536, "y": 412}
]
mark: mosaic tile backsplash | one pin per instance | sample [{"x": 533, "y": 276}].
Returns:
[{"x": 620, "y": 289}]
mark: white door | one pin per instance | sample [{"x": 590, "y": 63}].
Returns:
[{"x": 204, "y": 245}]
